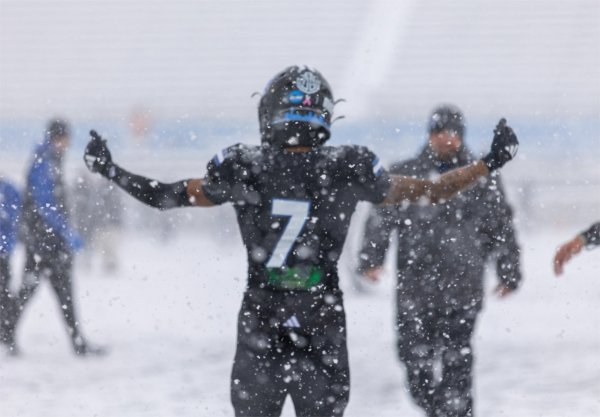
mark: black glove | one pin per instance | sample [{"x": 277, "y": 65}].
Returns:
[
  {"x": 97, "y": 156},
  {"x": 504, "y": 146}
]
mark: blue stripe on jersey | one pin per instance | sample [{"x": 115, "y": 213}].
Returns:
[
  {"x": 377, "y": 167},
  {"x": 220, "y": 157}
]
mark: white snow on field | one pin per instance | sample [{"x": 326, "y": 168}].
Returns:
[{"x": 169, "y": 319}]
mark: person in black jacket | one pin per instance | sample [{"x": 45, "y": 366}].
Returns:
[
  {"x": 589, "y": 238},
  {"x": 442, "y": 253}
]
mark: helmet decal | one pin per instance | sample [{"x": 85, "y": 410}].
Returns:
[
  {"x": 296, "y": 97},
  {"x": 308, "y": 82}
]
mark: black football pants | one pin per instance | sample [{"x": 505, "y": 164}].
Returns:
[
  {"x": 7, "y": 302},
  {"x": 291, "y": 343},
  {"x": 57, "y": 267},
  {"x": 427, "y": 335}
]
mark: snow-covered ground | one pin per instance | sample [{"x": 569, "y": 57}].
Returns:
[{"x": 169, "y": 317}]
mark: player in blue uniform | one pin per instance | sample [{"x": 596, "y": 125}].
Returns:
[
  {"x": 49, "y": 239},
  {"x": 294, "y": 198}
]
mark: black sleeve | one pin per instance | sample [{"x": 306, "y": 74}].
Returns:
[
  {"x": 370, "y": 179},
  {"x": 502, "y": 236},
  {"x": 592, "y": 235},
  {"x": 151, "y": 192},
  {"x": 376, "y": 238},
  {"x": 217, "y": 184}
]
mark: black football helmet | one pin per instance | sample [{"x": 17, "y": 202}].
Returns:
[
  {"x": 447, "y": 117},
  {"x": 296, "y": 109}
]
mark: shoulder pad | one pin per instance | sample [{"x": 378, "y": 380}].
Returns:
[
  {"x": 346, "y": 151},
  {"x": 239, "y": 152},
  {"x": 355, "y": 158}
]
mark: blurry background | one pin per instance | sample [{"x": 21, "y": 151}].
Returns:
[
  {"x": 170, "y": 84},
  {"x": 169, "y": 81}
]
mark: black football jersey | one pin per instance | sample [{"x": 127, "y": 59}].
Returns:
[{"x": 294, "y": 209}]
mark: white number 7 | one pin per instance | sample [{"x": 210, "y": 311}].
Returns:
[{"x": 297, "y": 211}]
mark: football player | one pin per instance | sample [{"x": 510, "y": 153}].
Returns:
[{"x": 294, "y": 197}]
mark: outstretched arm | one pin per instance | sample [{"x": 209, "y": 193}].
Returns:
[
  {"x": 196, "y": 193},
  {"x": 153, "y": 193},
  {"x": 567, "y": 250},
  {"x": 504, "y": 148},
  {"x": 445, "y": 187}
]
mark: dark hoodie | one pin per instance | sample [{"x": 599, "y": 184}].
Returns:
[{"x": 443, "y": 248}]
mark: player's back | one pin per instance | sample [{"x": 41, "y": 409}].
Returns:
[{"x": 294, "y": 208}]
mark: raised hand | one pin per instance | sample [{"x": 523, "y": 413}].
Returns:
[
  {"x": 504, "y": 146},
  {"x": 97, "y": 156}
]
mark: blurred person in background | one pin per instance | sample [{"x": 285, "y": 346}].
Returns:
[
  {"x": 10, "y": 208},
  {"x": 442, "y": 253},
  {"x": 97, "y": 213},
  {"x": 49, "y": 238},
  {"x": 589, "y": 238},
  {"x": 294, "y": 198}
]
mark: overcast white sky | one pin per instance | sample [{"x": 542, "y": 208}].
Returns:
[{"x": 205, "y": 58}]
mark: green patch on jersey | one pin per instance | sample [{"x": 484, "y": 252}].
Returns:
[{"x": 295, "y": 278}]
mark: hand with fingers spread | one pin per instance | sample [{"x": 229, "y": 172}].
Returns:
[
  {"x": 97, "y": 157},
  {"x": 504, "y": 146}
]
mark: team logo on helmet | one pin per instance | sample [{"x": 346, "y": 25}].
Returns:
[
  {"x": 308, "y": 82},
  {"x": 295, "y": 97}
]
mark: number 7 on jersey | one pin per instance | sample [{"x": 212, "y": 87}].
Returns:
[{"x": 297, "y": 211}]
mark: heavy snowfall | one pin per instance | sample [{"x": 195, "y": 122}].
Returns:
[
  {"x": 169, "y": 316},
  {"x": 171, "y": 84}
]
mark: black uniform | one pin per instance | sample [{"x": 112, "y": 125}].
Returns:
[
  {"x": 442, "y": 253},
  {"x": 293, "y": 210}
]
